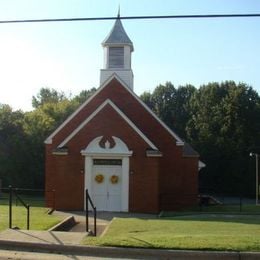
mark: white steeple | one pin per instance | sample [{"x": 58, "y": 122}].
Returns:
[{"x": 117, "y": 55}]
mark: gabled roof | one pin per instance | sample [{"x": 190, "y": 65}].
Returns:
[
  {"x": 118, "y": 36},
  {"x": 100, "y": 108},
  {"x": 188, "y": 151},
  {"x": 114, "y": 76}
]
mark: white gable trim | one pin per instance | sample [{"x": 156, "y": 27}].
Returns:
[
  {"x": 179, "y": 142},
  {"x": 105, "y": 103},
  {"x": 178, "y": 139},
  {"x": 49, "y": 139},
  {"x": 201, "y": 165}
]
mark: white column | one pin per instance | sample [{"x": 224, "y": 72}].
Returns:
[
  {"x": 125, "y": 185},
  {"x": 88, "y": 171},
  {"x": 127, "y": 57},
  {"x": 106, "y": 58}
]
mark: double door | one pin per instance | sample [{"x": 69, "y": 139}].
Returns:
[{"x": 106, "y": 187}]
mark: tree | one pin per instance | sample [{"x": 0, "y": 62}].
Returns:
[
  {"x": 181, "y": 109},
  {"x": 220, "y": 120},
  {"x": 12, "y": 146},
  {"x": 147, "y": 98},
  {"x": 47, "y": 95},
  {"x": 84, "y": 95},
  {"x": 22, "y": 135},
  {"x": 224, "y": 123},
  {"x": 51, "y": 109},
  {"x": 163, "y": 98},
  {"x": 171, "y": 105}
]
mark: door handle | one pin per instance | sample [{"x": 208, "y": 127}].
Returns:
[{"x": 107, "y": 194}]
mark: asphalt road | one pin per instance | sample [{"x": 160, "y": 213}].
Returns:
[{"x": 21, "y": 255}]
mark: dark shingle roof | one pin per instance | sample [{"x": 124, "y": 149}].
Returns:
[
  {"x": 189, "y": 151},
  {"x": 118, "y": 36}
]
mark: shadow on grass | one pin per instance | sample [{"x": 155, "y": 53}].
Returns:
[
  {"x": 146, "y": 244},
  {"x": 184, "y": 216},
  {"x": 108, "y": 215}
]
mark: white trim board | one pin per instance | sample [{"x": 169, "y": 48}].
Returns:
[
  {"x": 179, "y": 142},
  {"x": 87, "y": 120}
]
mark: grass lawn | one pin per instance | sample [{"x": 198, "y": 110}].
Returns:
[
  {"x": 39, "y": 219},
  {"x": 208, "y": 231},
  {"x": 246, "y": 209}
]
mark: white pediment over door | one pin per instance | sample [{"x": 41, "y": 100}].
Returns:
[{"x": 114, "y": 147}]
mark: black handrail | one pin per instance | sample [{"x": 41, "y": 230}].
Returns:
[
  {"x": 11, "y": 192},
  {"x": 88, "y": 199}
]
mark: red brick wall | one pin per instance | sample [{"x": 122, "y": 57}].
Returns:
[
  {"x": 144, "y": 188},
  {"x": 150, "y": 178},
  {"x": 64, "y": 174},
  {"x": 179, "y": 188},
  {"x": 69, "y": 184}
]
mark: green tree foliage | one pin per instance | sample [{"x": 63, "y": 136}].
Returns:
[
  {"x": 13, "y": 150},
  {"x": 22, "y": 135},
  {"x": 221, "y": 121},
  {"x": 47, "y": 95},
  {"x": 84, "y": 95},
  {"x": 224, "y": 124},
  {"x": 51, "y": 109},
  {"x": 171, "y": 105}
]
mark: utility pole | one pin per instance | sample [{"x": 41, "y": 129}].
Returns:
[{"x": 256, "y": 177}]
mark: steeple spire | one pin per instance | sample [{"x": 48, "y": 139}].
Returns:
[
  {"x": 118, "y": 13},
  {"x": 117, "y": 35},
  {"x": 117, "y": 54}
]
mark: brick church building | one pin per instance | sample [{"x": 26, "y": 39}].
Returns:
[{"x": 117, "y": 148}]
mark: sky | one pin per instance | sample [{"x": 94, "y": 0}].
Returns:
[{"x": 68, "y": 56}]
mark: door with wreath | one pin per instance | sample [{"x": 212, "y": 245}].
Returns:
[{"x": 106, "y": 184}]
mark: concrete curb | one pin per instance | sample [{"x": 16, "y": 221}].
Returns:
[{"x": 121, "y": 253}]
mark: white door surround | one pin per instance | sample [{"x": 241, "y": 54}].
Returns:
[{"x": 119, "y": 150}]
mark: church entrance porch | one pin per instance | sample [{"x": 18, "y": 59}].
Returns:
[{"x": 107, "y": 173}]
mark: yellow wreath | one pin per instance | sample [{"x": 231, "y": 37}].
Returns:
[
  {"x": 99, "y": 178},
  {"x": 114, "y": 179}
]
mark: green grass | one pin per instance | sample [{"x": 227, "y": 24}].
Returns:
[
  {"x": 39, "y": 219},
  {"x": 197, "y": 232},
  {"x": 246, "y": 209}
]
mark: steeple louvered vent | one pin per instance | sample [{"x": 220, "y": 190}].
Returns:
[{"x": 116, "y": 57}]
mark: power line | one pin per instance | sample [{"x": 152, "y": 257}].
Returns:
[{"x": 199, "y": 16}]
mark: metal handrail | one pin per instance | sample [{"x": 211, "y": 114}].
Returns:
[
  {"x": 88, "y": 199},
  {"x": 11, "y": 192}
]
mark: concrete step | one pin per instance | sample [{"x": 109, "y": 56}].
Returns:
[{"x": 81, "y": 227}]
